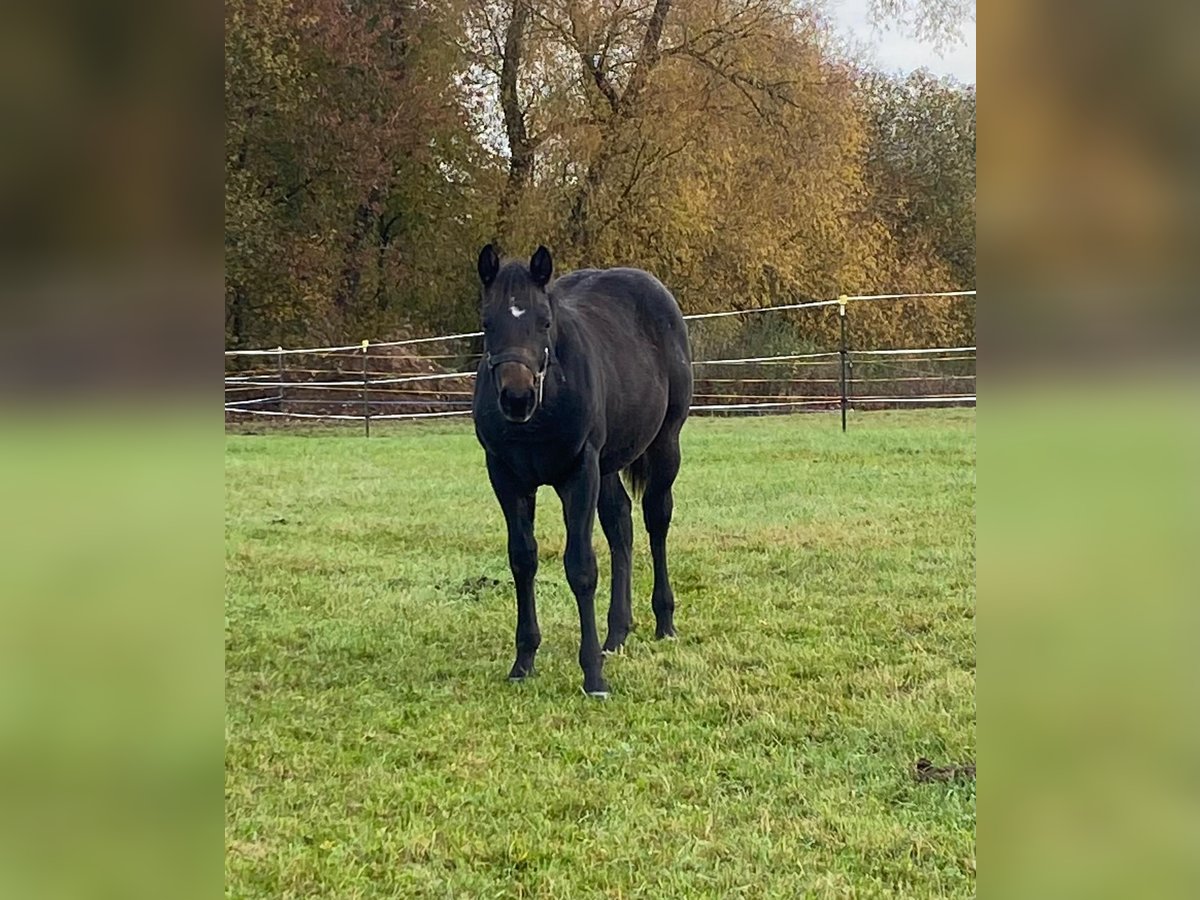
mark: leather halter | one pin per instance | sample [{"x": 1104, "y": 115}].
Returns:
[{"x": 520, "y": 356}]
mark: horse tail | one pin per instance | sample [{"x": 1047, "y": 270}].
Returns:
[{"x": 636, "y": 475}]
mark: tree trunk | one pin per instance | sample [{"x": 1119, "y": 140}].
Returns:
[
  {"x": 235, "y": 317},
  {"x": 578, "y": 231},
  {"x": 623, "y": 106},
  {"x": 351, "y": 276},
  {"x": 520, "y": 148}
]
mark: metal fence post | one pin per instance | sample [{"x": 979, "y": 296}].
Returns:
[
  {"x": 279, "y": 371},
  {"x": 844, "y": 357},
  {"x": 365, "y": 400}
]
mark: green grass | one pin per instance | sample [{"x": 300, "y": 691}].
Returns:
[{"x": 825, "y": 587}]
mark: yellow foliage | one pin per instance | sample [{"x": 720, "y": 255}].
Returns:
[{"x": 737, "y": 159}]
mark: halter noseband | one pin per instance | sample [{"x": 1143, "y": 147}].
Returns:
[{"x": 519, "y": 356}]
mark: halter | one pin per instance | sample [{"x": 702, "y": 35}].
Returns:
[{"x": 519, "y": 356}]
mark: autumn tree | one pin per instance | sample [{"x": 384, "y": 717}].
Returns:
[
  {"x": 936, "y": 21},
  {"x": 921, "y": 165},
  {"x": 352, "y": 175},
  {"x": 723, "y": 144},
  {"x": 715, "y": 141}
]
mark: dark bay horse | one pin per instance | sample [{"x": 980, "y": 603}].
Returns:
[{"x": 583, "y": 378}]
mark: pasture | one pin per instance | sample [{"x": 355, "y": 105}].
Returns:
[{"x": 825, "y": 588}]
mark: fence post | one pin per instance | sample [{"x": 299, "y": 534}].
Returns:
[
  {"x": 279, "y": 371},
  {"x": 844, "y": 357},
  {"x": 366, "y": 402}
]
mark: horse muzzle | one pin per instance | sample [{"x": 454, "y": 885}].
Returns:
[
  {"x": 518, "y": 383},
  {"x": 517, "y": 405}
]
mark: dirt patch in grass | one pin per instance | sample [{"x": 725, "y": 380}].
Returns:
[
  {"x": 472, "y": 590},
  {"x": 924, "y": 770}
]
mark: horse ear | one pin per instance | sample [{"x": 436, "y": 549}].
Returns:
[
  {"x": 489, "y": 265},
  {"x": 541, "y": 266}
]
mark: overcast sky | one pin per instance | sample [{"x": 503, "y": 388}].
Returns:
[{"x": 893, "y": 52}]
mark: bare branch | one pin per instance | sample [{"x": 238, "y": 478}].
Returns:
[
  {"x": 650, "y": 53},
  {"x": 594, "y": 65},
  {"x": 732, "y": 77},
  {"x": 559, "y": 128}
]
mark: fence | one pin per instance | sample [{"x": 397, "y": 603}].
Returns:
[{"x": 738, "y": 372}]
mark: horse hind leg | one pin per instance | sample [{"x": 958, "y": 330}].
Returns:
[
  {"x": 658, "y": 503},
  {"x": 615, "y": 511}
]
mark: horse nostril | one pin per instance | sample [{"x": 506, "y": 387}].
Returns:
[{"x": 516, "y": 404}]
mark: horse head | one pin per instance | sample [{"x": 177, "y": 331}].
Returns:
[{"x": 518, "y": 329}]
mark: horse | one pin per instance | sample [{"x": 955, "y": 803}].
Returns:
[{"x": 583, "y": 379}]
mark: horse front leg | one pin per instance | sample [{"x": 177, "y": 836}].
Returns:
[
  {"x": 579, "y": 494},
  {"x": 519, "y": 506}
]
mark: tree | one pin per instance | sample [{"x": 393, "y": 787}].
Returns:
[
  {"x": 922, "y": 166},
  {"x": 936, "y": 21},
  {"x": 373, "y": 146},
  {"x": 352, "y": 172}
]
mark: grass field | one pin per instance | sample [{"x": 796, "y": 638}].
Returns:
[{"x": 825, "y": 587}]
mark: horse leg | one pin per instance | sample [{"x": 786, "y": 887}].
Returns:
[
  {"x": 657, "y": 506},
  {"x": 518, "y": 508},
  {"x": 580, "y": 493},
  {"x": 617, "y": 521}
]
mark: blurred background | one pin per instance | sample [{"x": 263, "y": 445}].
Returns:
[{"x": 138, "y": 184}]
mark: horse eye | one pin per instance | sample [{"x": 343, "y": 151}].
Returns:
[{"x": 544, "y": 324}]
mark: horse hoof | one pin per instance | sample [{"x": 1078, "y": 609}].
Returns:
[
  {"x": 666, "y": 635},
  {"x": 519, "y": 675},
  {"x": 596, "y": 695},
  {"x": 618, "y": 650}
]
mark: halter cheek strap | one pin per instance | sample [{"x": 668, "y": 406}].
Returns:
[{"x": 540, "y": 377}]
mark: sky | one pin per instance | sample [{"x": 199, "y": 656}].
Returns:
[{"x": 895, "y": 52}]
